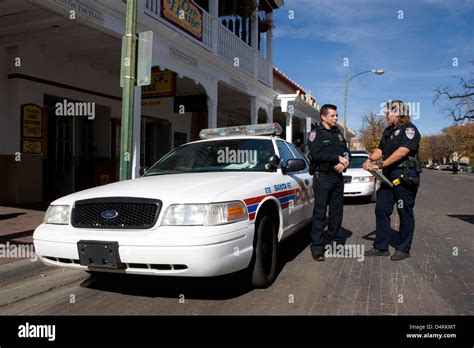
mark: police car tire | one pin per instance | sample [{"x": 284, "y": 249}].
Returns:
[{"x": 264, "y": 265}]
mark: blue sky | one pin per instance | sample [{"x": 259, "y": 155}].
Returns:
[{"x": 416, "y": 52}]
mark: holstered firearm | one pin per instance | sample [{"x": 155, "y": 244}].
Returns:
[
  {"x": 410, "y": 182},
  {"x": 413, "y": 162}
]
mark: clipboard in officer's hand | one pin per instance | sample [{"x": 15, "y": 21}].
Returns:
[{"x": 378, "y": 174}]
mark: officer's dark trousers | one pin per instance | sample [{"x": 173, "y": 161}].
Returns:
[
  {"x": 328, "y": 191},
  {"x": 404, "y": 199}
]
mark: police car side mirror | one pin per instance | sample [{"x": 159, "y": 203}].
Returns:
[
  {"x": 143, "y": 170},
  {"x": 273, "y": 161},
  {"x": 294, "y": 165}
]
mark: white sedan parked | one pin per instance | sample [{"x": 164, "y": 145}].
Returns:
[
  {"x": 207, "y": 208},
  {"x": 357, "y": 181}
]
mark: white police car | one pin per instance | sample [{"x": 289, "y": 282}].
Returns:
[{"x": 207, "y": 208}]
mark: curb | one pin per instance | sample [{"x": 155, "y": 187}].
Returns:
[{"x": 21, "y": 270}]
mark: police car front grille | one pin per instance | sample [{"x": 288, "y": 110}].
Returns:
[
  {"x": 131, "y": 213},
  {"x": 347, "y": 179}
]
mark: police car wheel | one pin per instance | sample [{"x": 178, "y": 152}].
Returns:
[{"x": 265, "y": 253}]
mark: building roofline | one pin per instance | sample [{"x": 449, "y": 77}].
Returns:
[{"x": 293, "y": 84}]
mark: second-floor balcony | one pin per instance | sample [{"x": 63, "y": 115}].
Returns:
[{"x": 232, "y": 38}]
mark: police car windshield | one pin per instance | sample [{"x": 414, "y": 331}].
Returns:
[{"x": 221, "y": 155}]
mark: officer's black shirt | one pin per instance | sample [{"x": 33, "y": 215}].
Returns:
[
  {"x": 326, "y": 145},
  {"x": 405, "y": 136}
]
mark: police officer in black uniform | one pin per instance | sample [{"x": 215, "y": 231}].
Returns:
[
  {"x": 398, "y": 157},
  {"x": 330, "y": 157}
]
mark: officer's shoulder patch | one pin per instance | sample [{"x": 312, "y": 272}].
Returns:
[
  {"x": 312, "y": 136},
  {"x": 410, "y": 132}
]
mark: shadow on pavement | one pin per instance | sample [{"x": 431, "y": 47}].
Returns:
[
  {"x": 10, "y": 216},
  {"x": 357, "y": 201},
  {"x": 16, "y": 235},
  {"x": 41, "y": 206},
  {"x": 217, "y": 288},
  {"x": 297, "y": 243},
  {"x": 466, "y": 218},
  {"x": 393, "y": 238}
]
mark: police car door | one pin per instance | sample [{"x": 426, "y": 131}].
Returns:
[
  {"x": 290, "y": 201},
  {"x": 305, "y": 185}
]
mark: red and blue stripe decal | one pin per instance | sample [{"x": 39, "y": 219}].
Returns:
[{"x": 284, "y": 197}]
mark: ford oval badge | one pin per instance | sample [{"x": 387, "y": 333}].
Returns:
[{"x": 109, "y": 214}]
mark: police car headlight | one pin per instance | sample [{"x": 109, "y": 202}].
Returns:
[
  {"x": 204, "y": 214},
  {"x": 363, "y": 179},
  {"x": 57, "y": 214}
]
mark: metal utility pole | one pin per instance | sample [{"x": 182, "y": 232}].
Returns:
[{"x": 129, "y": 81}]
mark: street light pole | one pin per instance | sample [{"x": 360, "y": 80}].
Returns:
[{"x": 346, "y": 87}]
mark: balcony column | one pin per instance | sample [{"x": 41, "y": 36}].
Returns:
[
  {"x": 253, "y": 110},
  {"x": 270, "y": 113},
  {"x": 289, "y": 127},
  {"x": 212, "y": 100},
  {"x": 269, "y": 16},
  {"x": 254, "y": 43},
  {"x": 214, "y": 12},
  {"x": 307, "y": 130}
]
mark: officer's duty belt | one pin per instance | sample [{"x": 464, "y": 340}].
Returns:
[
  {"x": 406, "y": 164},
  {"x": 324, "y": 168}
]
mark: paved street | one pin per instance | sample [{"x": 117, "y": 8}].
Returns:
[{"x": 437, "y": 280}]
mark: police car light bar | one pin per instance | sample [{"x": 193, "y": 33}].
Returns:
[{"x": 254, "y": 129}]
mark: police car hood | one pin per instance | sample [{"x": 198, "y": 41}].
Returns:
[
  {"x": 357, "y": 172},
  {"x": 181, "y": 188}
]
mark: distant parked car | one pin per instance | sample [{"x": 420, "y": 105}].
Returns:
[
  {"x": 446, "y": 167},
  {"x": 357, "y": 181}
]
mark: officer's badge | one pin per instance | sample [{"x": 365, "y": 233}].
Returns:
[
  {"x": 312, "y": 136},
  {"x": 340, "y": 137},
  {"x": 410, "y": 133},
  {"x": 397, "y": 132}
]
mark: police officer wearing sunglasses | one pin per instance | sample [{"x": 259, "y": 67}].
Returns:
[{"x": 397, "y": 156}]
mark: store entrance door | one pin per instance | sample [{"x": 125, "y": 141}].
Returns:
[
  {"x": 58, "y": 168},
  {"x": 156, "y": 140}
]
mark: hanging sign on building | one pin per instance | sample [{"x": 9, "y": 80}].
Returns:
[
  {"x": 32, "y": 129},
  {"x": 31, "y": 121},
  {"x": 31, "y": 147},
  {"x": 183, "y": 14},
  {"x": 163, "y": 84},
  {"x": 83, "y": 9}
]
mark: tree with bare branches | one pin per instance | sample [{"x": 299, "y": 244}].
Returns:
[{"x": 458, "y": 105}]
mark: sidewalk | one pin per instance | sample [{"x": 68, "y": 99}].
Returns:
[{"x": 17, "y": 224}]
